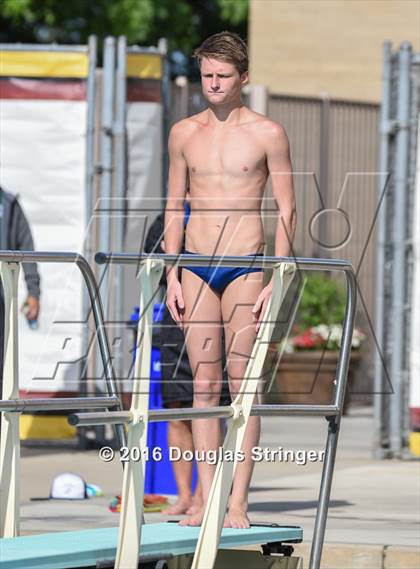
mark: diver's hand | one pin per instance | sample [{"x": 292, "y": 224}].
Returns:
[
  {"x": 260, "y": 306},
  {"x": 175, "y": 301}
]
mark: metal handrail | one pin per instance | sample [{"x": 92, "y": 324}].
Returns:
[
  {"x": 57, "y": 404},
  {"x": 156, "y": 415},
  {"x": 305, "y": 263},
  {"x": 98, "y": 315},
  {"x": 197, "y": 260}
]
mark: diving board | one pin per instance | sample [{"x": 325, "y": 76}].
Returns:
[{"x": 65, "y": 550}]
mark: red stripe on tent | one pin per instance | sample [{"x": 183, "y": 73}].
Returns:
[
  {"x": 47, "y": 395},
  {"x": 415, "y": 417},
  {"x": 144, "y": 90},
  {"x": 43, "y": 89}
]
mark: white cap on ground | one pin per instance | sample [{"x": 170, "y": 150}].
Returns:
[{"x": 68, "y": 486}]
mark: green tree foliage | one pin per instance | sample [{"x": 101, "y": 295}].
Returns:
[
  {"x": 185, "y": 23},
  {"x": 323, "y": 302}
]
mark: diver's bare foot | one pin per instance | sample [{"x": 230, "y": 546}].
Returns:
[
  {"x": 226, "y": 523},
  {"x": 181, "y": 506},
  {"x": 194, "y": 508},
  {"x": 194, "y": 520},
  {"x": 237, "y": 517}
]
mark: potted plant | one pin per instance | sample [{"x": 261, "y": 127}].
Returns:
[{"x": 304, "y": 365}]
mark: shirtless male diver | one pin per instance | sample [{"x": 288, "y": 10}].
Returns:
[{"x": 227, "y": 152}]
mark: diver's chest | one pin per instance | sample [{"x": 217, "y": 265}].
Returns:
[{"x": 233, "y": 153}]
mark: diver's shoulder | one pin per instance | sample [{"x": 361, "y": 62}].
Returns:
[
  {"x": 270, "y": 134},
  {"x": 263, "y": 123},
  {"x": 187, "y": 125}
]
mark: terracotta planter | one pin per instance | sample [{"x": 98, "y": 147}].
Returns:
[{"x": 306, "y": 377}]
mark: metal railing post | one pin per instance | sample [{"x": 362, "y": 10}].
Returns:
[
  {"x": 324, "y": 143},
  {"x": 106, "y": 169},
  {"x": 89, "y": 182},
  {"x": 10, "y": 440},
  {"x": 399, "y": 244},
  {"x": 166, "y": 101},
  {"x": 385, "y": 133},
  {"x": 334, "y": 424},
  {"x": 120, "y": 134}
]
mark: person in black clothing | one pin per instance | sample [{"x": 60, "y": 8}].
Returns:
[
  {"x": 15, "y": 234},
  {"x": 177, "y": 387}
]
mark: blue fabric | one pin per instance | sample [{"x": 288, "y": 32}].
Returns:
[
  {"x": 219, "y": 277},
  {"x": 187, "y": 209}
]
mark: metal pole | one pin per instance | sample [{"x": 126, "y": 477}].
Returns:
[
  {"x": 346, "y": 340},
  {"x": 310, "y": 264},
  {"x": 385, "y": 130},
  {"x": 399, "y": 265},
  {"x": 323, "y": 233},
  {"x": 412, "y": 345},
  {"x": 89, "y": 180},
  {"x": 120, "y": 183},
  {"x": 107, "y": 125},
  {"x": 107, "y": 120},
  {"x": 98, "y": 315},
  {"x": 9, "y": 423},
  {"x": 324, "y": 493},
  {"x": 334, "y": 424},
  {"x": 90, "y": 133},
  {"x": 157, "y": 415},
  {"x": 57, "y": 404},
  {"x": 183, "y": 90},
  {"x": 166, "y": 85}
]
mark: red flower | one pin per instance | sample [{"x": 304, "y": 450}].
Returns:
[{"x": 307, "y": 340}]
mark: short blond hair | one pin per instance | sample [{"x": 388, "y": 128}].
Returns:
[{"x": 225, "y": 46}]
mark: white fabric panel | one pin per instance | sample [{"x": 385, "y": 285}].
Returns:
[
  {"x": 144, "y": 126},
  {"x": 43, "y": 160},
  {"x": 144, "y": 191},
  {"x": 415, "y": 310}
]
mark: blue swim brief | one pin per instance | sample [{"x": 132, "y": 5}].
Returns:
[{"x": 219, "y": 277}]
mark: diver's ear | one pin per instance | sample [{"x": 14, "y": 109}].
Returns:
[{"x": 245, "y": 78}]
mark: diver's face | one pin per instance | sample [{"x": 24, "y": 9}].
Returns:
[{"x": 221, "y": 82}]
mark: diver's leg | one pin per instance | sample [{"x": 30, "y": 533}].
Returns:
[
  {"x": 238, "y": 300},
  {"x": 202, "y": 326}
]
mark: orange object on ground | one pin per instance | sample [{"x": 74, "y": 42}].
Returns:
[{"x": 151, "y": 503}]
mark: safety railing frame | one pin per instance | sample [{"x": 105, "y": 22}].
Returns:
[
  {"x": 151, "y": 267},
  {"x": 12, "y": 406}
]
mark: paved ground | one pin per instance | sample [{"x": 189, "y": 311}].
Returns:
[{"x": 372, "y": 502}]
